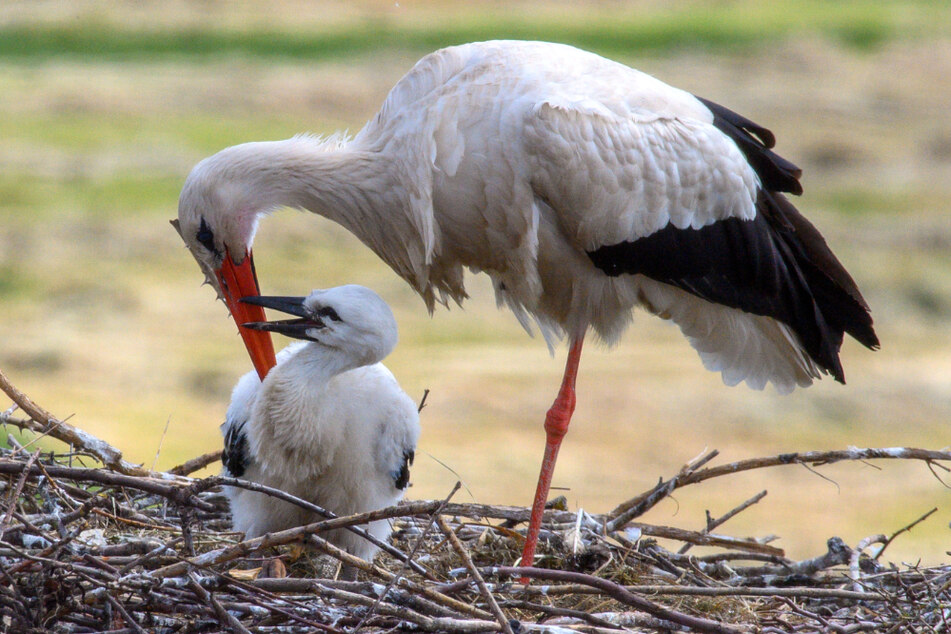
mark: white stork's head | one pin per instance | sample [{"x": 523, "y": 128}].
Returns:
[
  {"x": 218, "y": 211},
  {"x": 351, "y": 320}
]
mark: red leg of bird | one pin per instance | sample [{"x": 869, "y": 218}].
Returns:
[{"x": 556, "y": 426}]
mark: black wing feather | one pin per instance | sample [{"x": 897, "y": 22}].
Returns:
[
  {"x": 235, "y": 456},
  {"x": 755, "y": 141},
  {"x": 776, "y": 264},
  {"x": 401, "y": 477}
]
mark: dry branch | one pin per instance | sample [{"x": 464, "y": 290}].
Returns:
[
  {"x": 637, "y": 506},
  {"x": 196, "y": 464},
  {"x": 142, "y": 483},
  {"x": 619, "y": 593},
  {"x": 44, "y": 423},
  {"x": 713, "y": 523}
]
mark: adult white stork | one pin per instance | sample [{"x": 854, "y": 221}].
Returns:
[
  {"x": 583, "y": 188},
  {"x": 328, "y": 424}
]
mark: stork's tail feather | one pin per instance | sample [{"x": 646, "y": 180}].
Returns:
[
  {"x": 840, "y": 307},
  {"x": 836, "y": 293},
  {"x": 837, "y": 305}
]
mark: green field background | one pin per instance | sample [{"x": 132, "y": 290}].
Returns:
[{"x": 105, "y": 107}]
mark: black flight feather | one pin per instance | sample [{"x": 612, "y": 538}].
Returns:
[
  {"x": 235, "y": 455},
  {"x": 401, "y": 477},
  {"x": 755, "y": 141}
]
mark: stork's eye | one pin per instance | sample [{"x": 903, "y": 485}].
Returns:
[
  {"x": 329, "y": 313},
  {"x": 205, "y": 237}
]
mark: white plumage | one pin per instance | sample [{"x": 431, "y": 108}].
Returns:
[
  {"x": 329, "y": 424},
  {"x": 582, "y": 187}
]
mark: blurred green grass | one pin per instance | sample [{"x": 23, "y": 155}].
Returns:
[
  {"x": 607, "y": 28},
  {"x": 102, "y": 316}
]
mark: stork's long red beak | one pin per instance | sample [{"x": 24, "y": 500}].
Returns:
[{"x": 238, "y": 281}]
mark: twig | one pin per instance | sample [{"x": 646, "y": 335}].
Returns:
[
  {"x": 158, "y": 450},
  {"x": 272, "y": 603},
  {"x": 713, "y": 523},
  {"x": 904, "y": 529},
  {"x": 15, "y": 494},
  {"x": 636, "y": 506},
  {"x": 480, "y": 582},
  {"x": 821, "y": 458},
  {"x": 809, "y": 615},
  {"x": 399, "y": 575},
  {"x": 213, "y": 481},
  {"x": 125, "y": 615},
  {"x": 328, "y": 548},
  {"x": 814, "y": 472},
  {"x": 422, "y": 401},
  {"x": 193, "y": 465},
  {"x": 43, "y": 422},
  {"x": 308, "y": 586},
  {"x": 932, "y": 466},
  {"x": 158, "y": 550},
  {"x": 555, "y": 611},
  {"x": 707, "y": 539},
  {"x": 521, "y": 514},
  {"x": 223, "y": 614},
  {"x": 165, "y": 488},
  {"x": 133, "y": 522},
  {"x": 706, "y": 591},
  {"x": 854, "y": 568},
  {"x": 279, "y": 538},
  {"x": 425, "y": 623}
]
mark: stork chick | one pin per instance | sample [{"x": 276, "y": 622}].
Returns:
[{"x": 329, "y": 424}]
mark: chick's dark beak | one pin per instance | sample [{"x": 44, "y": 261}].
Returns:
[{"x": 295, "y": 328}]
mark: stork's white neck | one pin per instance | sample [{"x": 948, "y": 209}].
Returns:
[
  {"x": 326, "y": 177},
  {"x": 361, "y": 189},
  {"x": 321, "y": 362}
]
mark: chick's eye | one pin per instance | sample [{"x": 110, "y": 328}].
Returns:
[
  {"x": 205, "y": 237},
  {"x": 329, "y": 313}
]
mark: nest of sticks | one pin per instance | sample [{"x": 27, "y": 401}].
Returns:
[{"x": 90, "y": 543}]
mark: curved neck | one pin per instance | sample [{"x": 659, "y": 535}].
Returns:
[
  {"x": 359, "y": 189},
  {"x": 321, "y": 363},
  {"x": 326, "y": 177}
]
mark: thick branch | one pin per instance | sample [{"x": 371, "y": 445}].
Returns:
[
  {"x": 164, "y": 488},
  {"x": 42, "y": 422},
  {"x": 638, "y": 505}
]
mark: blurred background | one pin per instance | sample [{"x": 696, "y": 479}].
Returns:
[{"x": 105, "y": 107}]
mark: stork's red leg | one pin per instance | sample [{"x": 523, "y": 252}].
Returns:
[{"x": 556, "y": 426}]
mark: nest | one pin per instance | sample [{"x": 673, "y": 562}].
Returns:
[{"x": 118, "y": 548}]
